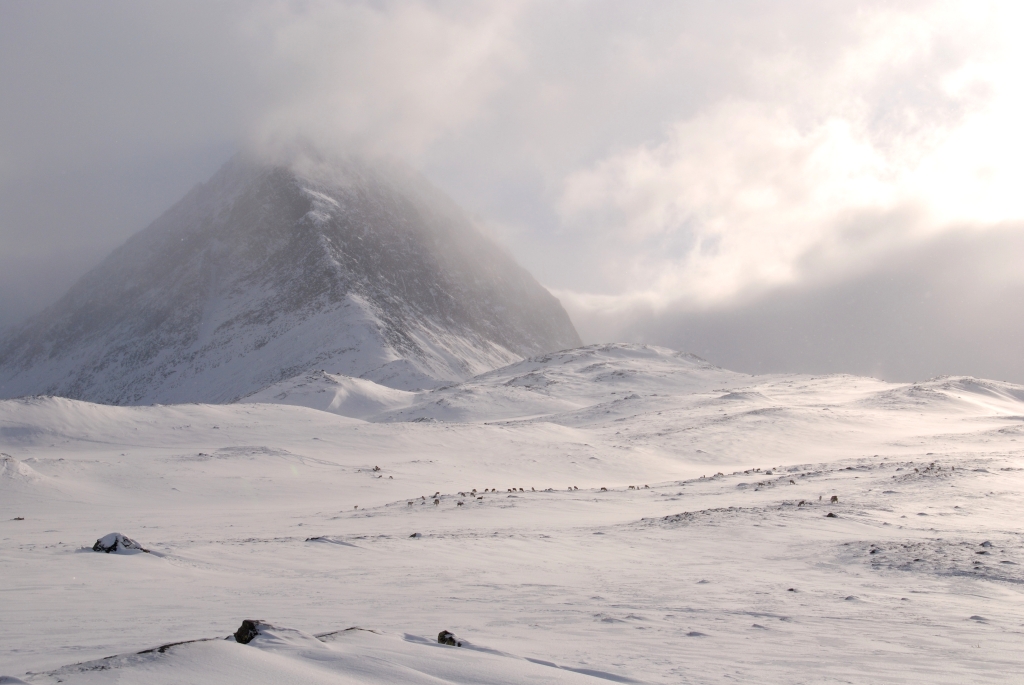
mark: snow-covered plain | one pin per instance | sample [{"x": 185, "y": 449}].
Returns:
[{"x": 697, "y": 564}]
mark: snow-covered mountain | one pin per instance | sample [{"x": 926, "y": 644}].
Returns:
[{"x": 272, "y": 270}]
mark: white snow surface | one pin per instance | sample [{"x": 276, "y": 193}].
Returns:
[{"x": 694, "y": 545}]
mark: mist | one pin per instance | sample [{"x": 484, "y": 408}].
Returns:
[
  {"x": 931, "y": 301},
  {"x": 773, "y": 186}
]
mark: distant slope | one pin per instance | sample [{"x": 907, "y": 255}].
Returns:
[
  {"x": 269, "y": 271},
  {"x": 354, "y": 397},
  {"x": 550, "y": 385},
  {"x": 571, "y": 383}
]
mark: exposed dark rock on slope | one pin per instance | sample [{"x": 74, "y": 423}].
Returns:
[{"x": 267, "y": 271}]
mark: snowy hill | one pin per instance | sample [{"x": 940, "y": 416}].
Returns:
[
  {"x": 269, "y": 271},
  {"x": 551, "y": 387}
]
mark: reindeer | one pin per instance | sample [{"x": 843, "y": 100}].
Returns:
[
  {"x": 436, "y": 502},
  {"x": 835, "y": 499},
  {"x": 459, "y": 503},
  {"x": 604, "y": 489},
  {"x": 410, "y": 503}
]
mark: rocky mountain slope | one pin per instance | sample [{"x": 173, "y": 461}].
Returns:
[{"x": 272, "y": 270}]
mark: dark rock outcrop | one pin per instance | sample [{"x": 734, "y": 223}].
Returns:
[
  {"x": 248, "y": 630},
  {"x": 448, "y": 638},
  {"x": 118, "y": 544}
]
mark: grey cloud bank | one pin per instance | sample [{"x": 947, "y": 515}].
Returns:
[
  {"x": 784, "y": 186},
  {"x": 924, "y": 313}
]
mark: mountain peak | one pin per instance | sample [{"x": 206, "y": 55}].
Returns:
[{"x": 269, "y": 270}]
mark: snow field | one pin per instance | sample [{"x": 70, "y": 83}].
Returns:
[{"x": 250, "y": 512}]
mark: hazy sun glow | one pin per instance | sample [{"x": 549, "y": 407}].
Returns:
[{"x": 758, "y": 186}]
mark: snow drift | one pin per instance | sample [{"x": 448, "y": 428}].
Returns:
[{"x": 354, "y": 656}]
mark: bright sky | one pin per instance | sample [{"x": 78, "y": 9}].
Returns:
[{"x": 777, "y": 185}]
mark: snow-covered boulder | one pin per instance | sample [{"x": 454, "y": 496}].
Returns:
[
  {"x": 248, "y": 630},
  {"x": 269, "y": 637},
  {"x": 118, "y": 544},
  {"x": 446, "y": 637}
]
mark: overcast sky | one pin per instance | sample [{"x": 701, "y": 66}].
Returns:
[{"x": 791, "y": 185}]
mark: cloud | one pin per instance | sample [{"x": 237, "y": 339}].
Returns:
[
  {"x": 820, "y": 168},
  {"x": 113, "y": 110},
  {"x": 915, "y": 314},
  {"x": 652, "y": 162},
  {"x": 387, "y": 77}
]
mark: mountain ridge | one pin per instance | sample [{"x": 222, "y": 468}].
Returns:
[{"x": 270, "y": 270}]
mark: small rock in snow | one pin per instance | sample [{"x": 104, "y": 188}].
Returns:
[
  {"x": 248, "y": 630},
  {"x": 118, "y": 544},
  {"x": 446, "y": 637}
]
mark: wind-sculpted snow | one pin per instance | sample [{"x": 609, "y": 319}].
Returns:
[
  {"x": 551, "y": 387},
  {"x": 14, "y": 472},
  {"x": 615, "y": 512},
  {"x": 348, "y": 657},
  {"x": 355, "y": 397},
  {"x": 264, "y": 273}
]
